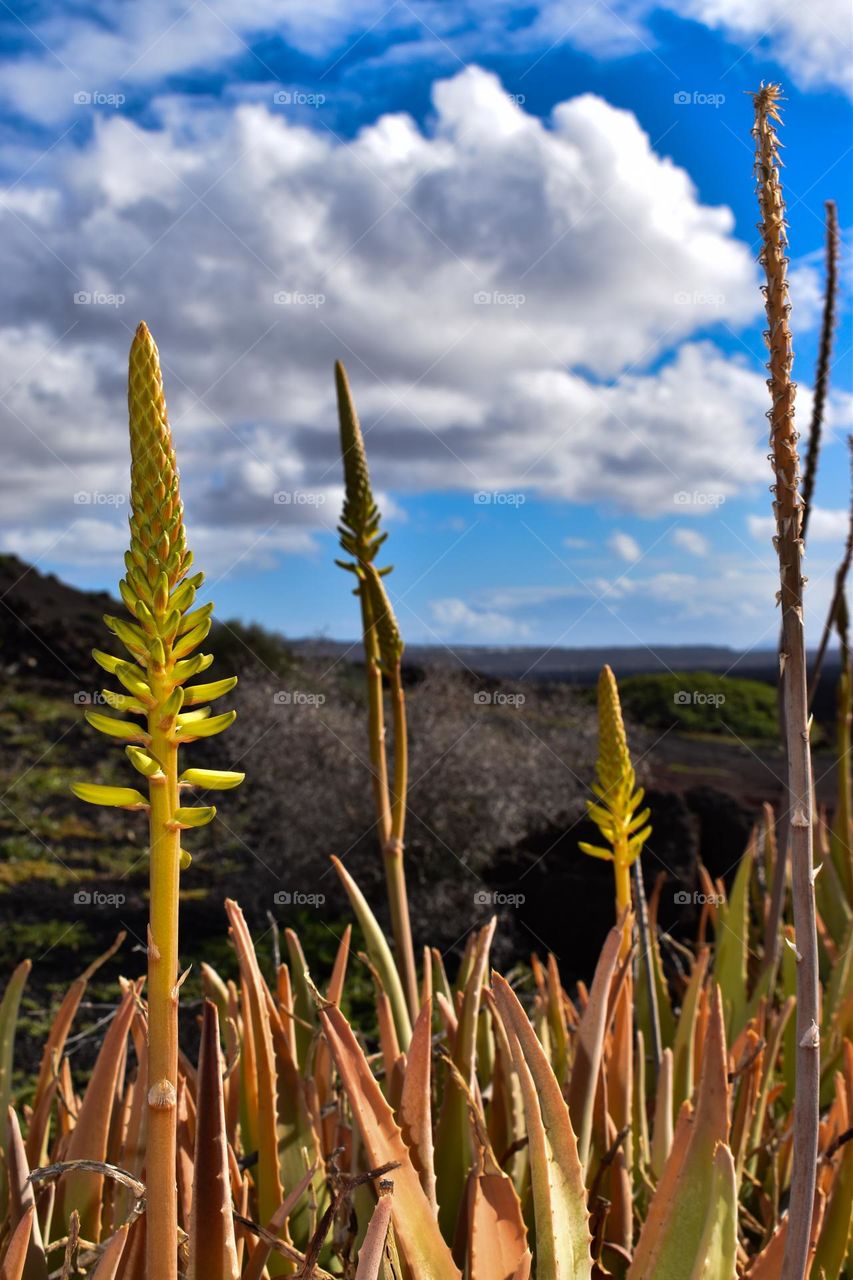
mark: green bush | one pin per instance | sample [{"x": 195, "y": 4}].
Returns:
[{"x": 701, "y": 702}]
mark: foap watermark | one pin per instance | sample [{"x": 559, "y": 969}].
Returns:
[
  {"x": 682, "y": 898},
  {"x": 298, "y": 98},
  {"x": 98, "y": 298},
  {"x": 518, "y": 99},
  {"x": 296, "y": 898},
  {"x": 97, "y": 98},
  {"x": 684, "y": 298},
  {"x": 298, "y": 298},
  {"x": 496, "y": 898},
  {"x": 497, "y": 298},
  {"x": 698, "y": 499},
  {"x": 297, "y": 698},
  {"x": 696, "y": 698},
  {"x": 95, "y": 498},
  {"x": 696, "y": 98},
  {"x": 484, "y": 698},
  {"x": 498, "y": 498},
  {"x": 85, "y": 698},
  {"x": 298, "y": 498},
  {"x": 94, "y": 898}
]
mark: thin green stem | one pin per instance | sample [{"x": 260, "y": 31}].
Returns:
[
  {"x": 162, "y": 1203},
  {"x": 394, "y": 849}
]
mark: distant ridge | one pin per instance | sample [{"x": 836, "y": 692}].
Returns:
[{"x": 49, "y": 628}]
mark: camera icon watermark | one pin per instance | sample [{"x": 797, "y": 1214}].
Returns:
[
  {"x": 695, "y": 698},
  {"x": 298, "y": 98},
  {"x": 94, "y": 498},
  {"x": 85, "y": 698},
  {"x": 295, "y": 898},
  {"x": 697, "y": 499},
  {"x": 495, "y": 898},
  {"x": 298, "y": 498},
  {"x": 698, "y": 99},
  {"x": 298, "y": 298},
  {"x": 497, "y": 298},
  {"x": 98, "y": 298},
  {"x": 497, "y": 498},
  {"x": 96, "y": 98},
  {"x": 684, "y": 298},
  {"x": 682, "y": 898},
  {"x": 94, "y": 898},
  {"x": 296, "y": 698},
  {"x": 486, "y": 698}
]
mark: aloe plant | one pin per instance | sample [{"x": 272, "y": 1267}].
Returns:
[
  {"x": 788, "y": 512},
  {"x": 383, "y": 650},
  {"x": 616, "y": 810},
  {"x": 162, "y": 642}
]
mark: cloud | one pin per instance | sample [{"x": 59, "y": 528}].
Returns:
[
  {"x": 131, "y": 50},
  {"x": 691, "y": 541},
  {"x": 625, "y": 547},
  {"x": 456, "y": 620},
  {"x": 812, "y": 41},
  {"x": 825, "y": 525},
  {"x": 437, "y": 264}
]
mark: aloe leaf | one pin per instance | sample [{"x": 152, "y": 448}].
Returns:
[
  {"x": 416, "y": 1230},
  {"x": 559, "y": 1197},
  {"x": 212, "y": 1247},
  {"x": 380, "y": 954},
  {"x": 371, "y": 1253},
  {"x": 676, "y": 1236}
]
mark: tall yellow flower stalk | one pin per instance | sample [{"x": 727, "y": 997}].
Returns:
[
  {"x": 383, "y": 649},
  {"x": 161, "y": 640},
  {"x": 787, "y": 509},
  {"x": 616, "y": 812}
]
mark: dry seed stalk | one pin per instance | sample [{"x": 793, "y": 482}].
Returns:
[
  {"x": 160, "y": 641},
  {"x": 788, "y": 541}
]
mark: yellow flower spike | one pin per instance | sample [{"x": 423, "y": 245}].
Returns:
[
  {"x": 161, "y": 636},
  {"x": 617, "y": 812}
]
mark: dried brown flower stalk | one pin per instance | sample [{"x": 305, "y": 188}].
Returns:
[{"x": 789, "y": 545}]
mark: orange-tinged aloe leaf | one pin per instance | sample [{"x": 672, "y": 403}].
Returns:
[
  {"x": 453, "y": 1150},
  {"x": 212, "y": 1247},
  {"x": 90, "y": 1135},
  {"x": 322, "y": 1057},
  {"x": 380, "y": 954},
  {"x": 269, "y": 1178},
  {"x": 674, "y": 1235},
  {"x": 37, "y": 1134},
  {"x": 372, "y": 1251},
  {"x": 298, "y": 1134},
  {"x": 522, "y": 1271},
  {"x": 15, "y": 1257},
  {"x": 683, "y": 1047},
  {"x": 559, "y": 1197},
  {"x": 415, "y": 1112},
  {"x": 22, "y": 1198},
  {"x": 110, "y": 1259},
  {"x": 9, "y": 1007},
  {"x": 495, "y": 1231},
  {"x": 417, "y": 1233},
  {"x": 834, "y": 1240},
  {"x": 277, "y": 1223},
  {"x": 589, "y": 1043},
  {"x": 662, "y": 1131},
  {"x": 506, "y": 1112},
  {"x": 303, "y": 1003},
  {"x": 717, "y": 1251}
]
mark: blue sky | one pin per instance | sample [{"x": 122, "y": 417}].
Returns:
[{"x": 528, "y": 230}]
